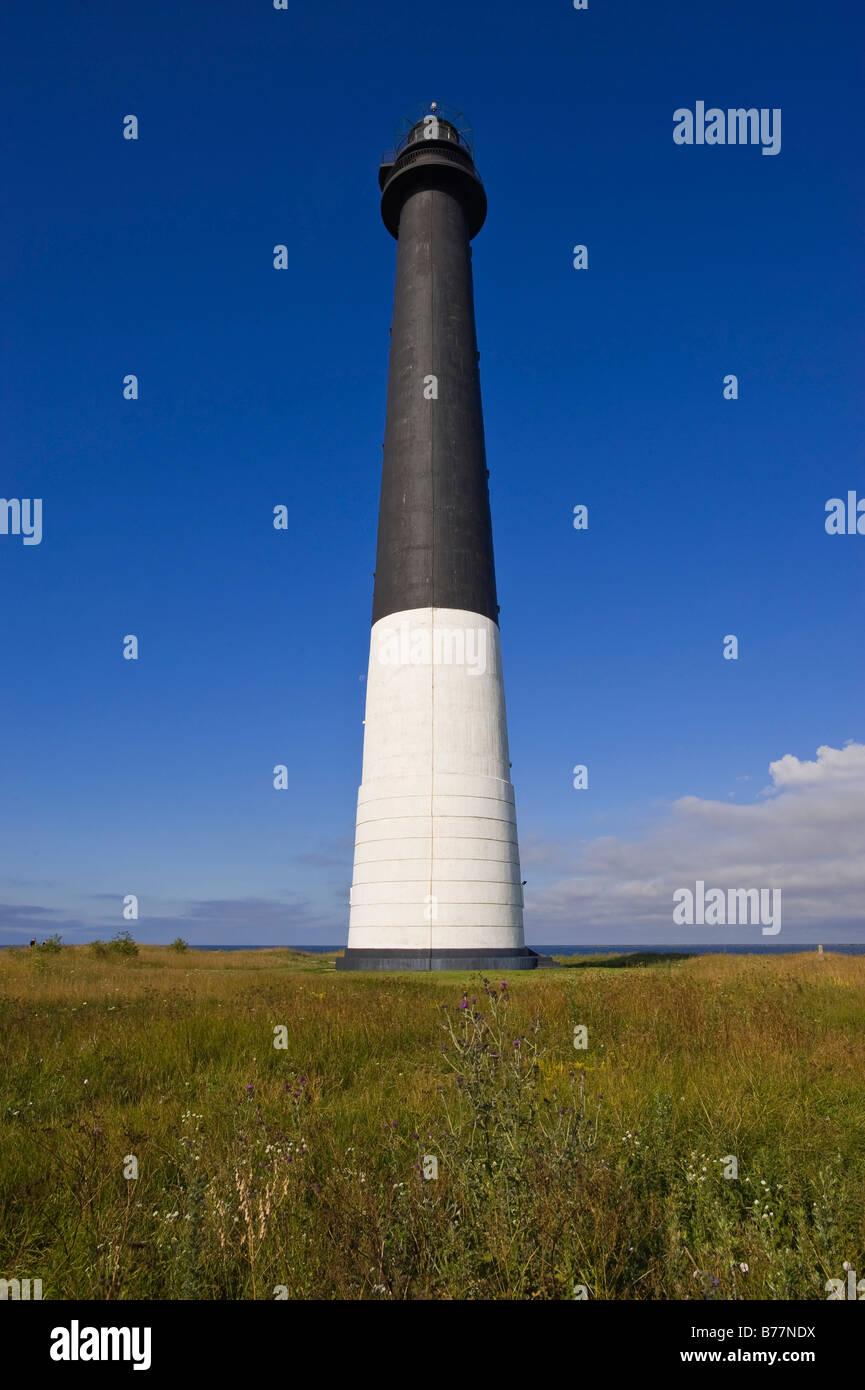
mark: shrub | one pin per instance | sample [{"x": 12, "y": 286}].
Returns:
[
  {"x": 123, "y": 945},
  {"x": 51, "y": 946},
  {"x": 179, "y": 945}
]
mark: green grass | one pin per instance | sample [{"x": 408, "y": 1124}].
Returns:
[{"x": 301, "y": 1168}]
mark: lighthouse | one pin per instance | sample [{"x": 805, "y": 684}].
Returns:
[{"x": 436, "y": 882}]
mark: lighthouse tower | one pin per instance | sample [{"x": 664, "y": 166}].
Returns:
[{"x": 436, "y": 865}]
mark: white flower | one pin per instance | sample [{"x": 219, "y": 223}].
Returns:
[{"x": 744, "y": 1268}]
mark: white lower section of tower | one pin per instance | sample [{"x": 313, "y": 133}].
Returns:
[{"x": 436, "y": 862}]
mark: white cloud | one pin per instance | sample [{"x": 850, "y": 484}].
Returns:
[
  {"x": 833, "y": 765},
  {"x": 806, "y": 838}
]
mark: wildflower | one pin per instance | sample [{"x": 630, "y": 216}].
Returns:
[
  {"x": 516, "y": 1042},
  {"x": 846, "y": 1265},
  {"x": 696, "y": 1274},
  {"x": 249, "y": 1088},
  {"x": 744, "y": 1268}
]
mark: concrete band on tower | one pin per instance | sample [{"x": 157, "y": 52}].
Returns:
[{"x": 436, "y": 881}]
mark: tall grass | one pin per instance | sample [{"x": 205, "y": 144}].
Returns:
[{"x": 300, "y": 1171}]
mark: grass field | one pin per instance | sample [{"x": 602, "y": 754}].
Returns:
[{"x": 298, "y": 1171}]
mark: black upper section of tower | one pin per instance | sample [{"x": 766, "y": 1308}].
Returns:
[{"x": 434, "y": 536}]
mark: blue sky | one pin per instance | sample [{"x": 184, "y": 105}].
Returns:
[{"x": 261, "y": 387}]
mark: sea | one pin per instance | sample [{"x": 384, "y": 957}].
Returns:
[{"x": 856, "y": 948}]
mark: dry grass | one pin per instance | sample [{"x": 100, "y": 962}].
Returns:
[{"x": 300, "y": 1169}]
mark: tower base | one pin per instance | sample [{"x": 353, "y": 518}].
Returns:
[{"x": 452, "y": 958}]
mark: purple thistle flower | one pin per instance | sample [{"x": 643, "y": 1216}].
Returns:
[{"x": 249, "y": 1088}]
